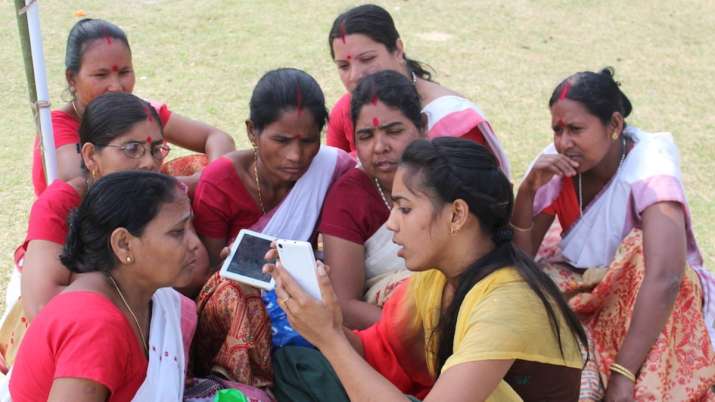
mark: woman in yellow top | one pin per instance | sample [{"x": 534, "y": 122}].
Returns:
[{"x": 486, "y": 324}]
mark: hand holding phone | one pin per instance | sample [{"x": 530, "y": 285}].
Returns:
[
  {"x": 246, "y": 259},
  {"x": 298, "y": 259}
]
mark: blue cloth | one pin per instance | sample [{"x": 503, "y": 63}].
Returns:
[{"x": 282, "y": 333}]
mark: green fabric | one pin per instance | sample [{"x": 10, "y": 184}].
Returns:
[
  {"x": 230, "y": 395},
  {"x": 304, "y": 375}
]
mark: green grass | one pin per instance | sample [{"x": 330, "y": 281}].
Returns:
[{"x": 203, "y": 58}]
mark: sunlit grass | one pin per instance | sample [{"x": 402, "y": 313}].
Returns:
[{"x": 203, "y": 58}]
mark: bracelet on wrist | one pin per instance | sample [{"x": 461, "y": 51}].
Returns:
[
  {"x": 520, "y": 229},
  {"x": 617, "y": 368}
]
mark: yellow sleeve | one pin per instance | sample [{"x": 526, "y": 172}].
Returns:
[{"x": 506, "y": 320}]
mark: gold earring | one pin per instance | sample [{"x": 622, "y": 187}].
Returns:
[
  {"x": 614, "y": 135},
  {"x": 129, "y": 260}
]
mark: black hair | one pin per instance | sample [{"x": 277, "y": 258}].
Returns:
[
  {"x": 376, "y": 23},
  {"x": 113, "y": 114},
  {"x": 452, "y": 168},
  {"x": 391, "y": 88},
  {"x": 598, "y": 92},
  {"x": 85, "y": 31},
  {"x": 130, "y": 200},
  {"x": 286, "y": 89}
]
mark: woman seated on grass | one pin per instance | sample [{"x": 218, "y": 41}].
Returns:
[
  {"x": 278, "y": 188},
  {"x": 119, "y": 132},
  {"x": 98, "y": 60},
  {"x": 364, "y": 40},
  {"x": 115, "y": 333},
  {"x": 628, "y": 258},
  {"x": 477, "y": 321},
  {"x": 357, "y": 243}
]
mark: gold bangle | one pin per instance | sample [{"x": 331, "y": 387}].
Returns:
[
  {"x": 518, "y": 229},
  {"x": 617, "y": 368}
]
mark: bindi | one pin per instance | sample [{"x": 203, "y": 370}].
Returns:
[
  {"x": 115, "y": 68},
  {"x": 148, "y": 140},
  {"x": 375, "y": 122}
]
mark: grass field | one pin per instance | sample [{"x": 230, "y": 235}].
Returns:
[{"x": 203, "y": 58}]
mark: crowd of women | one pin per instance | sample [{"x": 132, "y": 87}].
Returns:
[{"x": 437, "y": 283}]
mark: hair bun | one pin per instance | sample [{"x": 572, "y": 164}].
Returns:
[{"x": 608, "y": 72}]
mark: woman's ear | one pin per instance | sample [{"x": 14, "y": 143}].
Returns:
[
  {"x": 423, "y": 127},
  {"x": 617, "y": 123},
  {"x": 69, "y": 76},
  {"x": 89, "y": 157},
  {"x": 399, "y": 50},
  {"x": 251, "y": 132},
  {"x": 460, "y": 215},
  {"x": 121, "y": 242}
]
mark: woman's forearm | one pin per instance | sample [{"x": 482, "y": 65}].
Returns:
[
  {"x": 359, "y": 314},
  {"x": 219, "y": 144},
  {"x": 360, "y": 380},
  {"x": 664, "y": 249},
  {"x": 653, "y": 307},
  {"x": 522, "y": 219},
  {"x": 354, "y": 341}
]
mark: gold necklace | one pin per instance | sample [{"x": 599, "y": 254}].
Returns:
[
  {"x": 79, "y": 116},
  {"x": 382, "y": 193},
  {"x": 136, "y": 321},
  {"x": 258, "y": 184}
]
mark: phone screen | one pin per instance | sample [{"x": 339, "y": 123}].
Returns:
[{"x": 249, "y": 258}]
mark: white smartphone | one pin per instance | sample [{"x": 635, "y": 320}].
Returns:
[
  {"x": 246, "y": 259},
  {"x": 298, "y": 259}
]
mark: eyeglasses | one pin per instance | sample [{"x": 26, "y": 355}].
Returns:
[{"x": 136, "y": 149}]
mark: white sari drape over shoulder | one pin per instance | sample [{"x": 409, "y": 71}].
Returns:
[
  {"x": 650, "y": 174},
  {"x": 384, "y": 269},
  {"x": 454, "y": 116},
  {"x": 296, "y": 216},
  {"x": 166, "y": 371}
]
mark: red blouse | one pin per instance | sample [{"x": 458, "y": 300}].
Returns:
[
  {"x": 222, "y": 205},
  {"x": 83, "y": 335},
  {"x": 48, "y": 216},
  {"x": 353, "y": 209},
  {"x": 565, "y": 206}
]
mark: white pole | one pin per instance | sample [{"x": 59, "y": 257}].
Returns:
[{"x": 49, "y": 154}]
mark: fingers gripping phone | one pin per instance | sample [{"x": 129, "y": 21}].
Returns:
[{"x": 298, "y": 259}]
